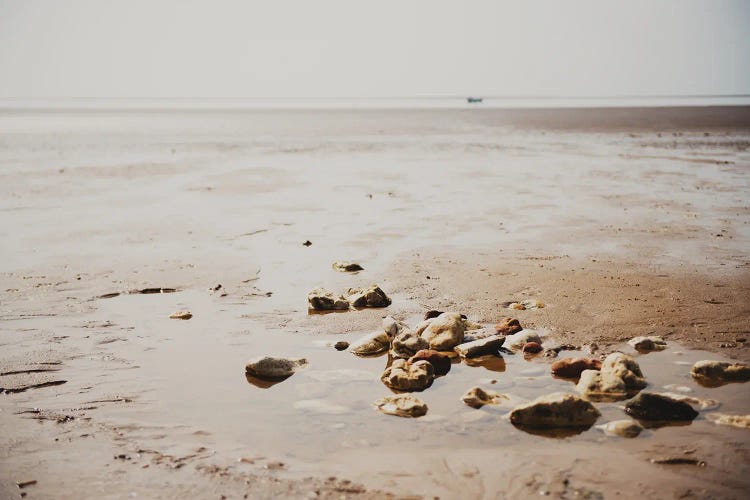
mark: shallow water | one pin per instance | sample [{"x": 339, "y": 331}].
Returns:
[{"x": 321, "y": 420}]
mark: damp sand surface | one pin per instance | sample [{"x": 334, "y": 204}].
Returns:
[{"x": 619, "y": 232}]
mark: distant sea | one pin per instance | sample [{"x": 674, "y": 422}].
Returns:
[{"x": 425, "y": 102}]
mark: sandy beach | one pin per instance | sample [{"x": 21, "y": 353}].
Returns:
[{"x": 622, "y": 222}]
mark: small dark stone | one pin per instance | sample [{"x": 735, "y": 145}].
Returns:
[
  {"x": 532, "y": 348},
  {"x": 650, "y": 406},
  {"x": 307, "y": 243},
  {"x": 341, "y": 345}
]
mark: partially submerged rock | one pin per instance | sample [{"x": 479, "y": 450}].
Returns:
[
  {"x": 393, "y": 327},
  {"x": 648, "y": 344},
  {"x": 619, "y": 375},
  {"x": 476, "y": 397},
  {"x": 269, "y": 367},
  {"x": 347, "y": 267},
  {"x": 445, "y": 332},
  {"x": 622, "y": 428},
  {"x": 372, "y": 344},
  {"x": 650, "y": 406},
  {"x": 702, "y": 404},
  {"x": 181, "y": 315},
  {"x": 573, "y": 367},
  {"x": 532, "y": 348},
  {"x": 624, "y": 367},
  {"x": 370, "y": 297},
  {"x": 555, "y": 410},
  {"x": 516, "y": 341},
  {"x": 440, "y": 361},
  {"x": 406, "y": 344},
  {"x": 324, "y": 300},
  {"x": 508, "y": 326},
  {"x": 741, "y": 421},
  {"x": 402, "y": 405},
  {"x": 716, "y": 373},
  {"x": 600, "y": 385},
  {"x": 488, "y": 345},
  {"x": 408, "y": 377}
]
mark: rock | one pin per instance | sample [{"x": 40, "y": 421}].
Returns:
[
  {"x": 702, "y": 404},
  {"x": 532, "y": 348},
  {"x": 371, "y": 344},
  {"x": 508, "y": 326},
  {"x": 341, "y": 345},
  {"x": 408, "y": 377},
  {"x": 307, "y": 243},
  {"x": 489, "y": 345},
  {"x": 555, "y": 411},
  {"x": 393, "y": 327},
  {"x": 476, "y": 397},
  {"x": 715, "y": 373},
  {"x": 371, "y": 297},
  {"x": 406, "y": 344},
  {"x": 432, "y": 314},
  {"x": 624, "y": 367},
  {"x": 741, "y": 421},
  {"x": 650, "y": 406},
  {"x": 445, "y": 332},
  {"x": 648, "y": 344},
  {"x": 601, "y": 385},
  {"x": 269, "y": 367},
  {"x": 622, "y": 428},
  {"x": 402, "y": 405},
  {"x": 440, "y": 361},
  {"x": 516, "y": 341},
  {"x": 479, "y": 333},
  {"x": 323, "y": 300},
  {"x": 517, "y": 306},
  {"x": 347, "y": 267},
  {"x": 572, "y": 367},
  {"x": 181, "y": 315}
]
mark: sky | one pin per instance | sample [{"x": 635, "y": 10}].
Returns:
[{"x": 384, "y": 48}]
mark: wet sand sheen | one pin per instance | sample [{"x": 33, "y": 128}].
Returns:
[{"x": 463, "y": 214}]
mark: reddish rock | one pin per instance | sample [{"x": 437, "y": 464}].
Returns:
[
  {"x": 439, "y": 360},
  {"x": 532, "y": 348},
  {"x": 572, "y": 367},
  {"x": 508, "y": 326}
]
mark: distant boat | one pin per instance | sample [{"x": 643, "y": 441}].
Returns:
[{"x": 473, "y": 100}]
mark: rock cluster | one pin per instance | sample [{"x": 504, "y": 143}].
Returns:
[{"x": 321, "y": 299}]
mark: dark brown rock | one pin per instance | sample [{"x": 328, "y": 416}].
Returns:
[
  {"x": 650, "y": 406},
  {"x": 572, "y": 367},
  {"x": 439, "y": 360},
  {"x": 532, "y": 348},
  {"x": 508, "y": 326}
]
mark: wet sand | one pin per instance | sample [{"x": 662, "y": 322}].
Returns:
[{"x": 620, "y": 229}]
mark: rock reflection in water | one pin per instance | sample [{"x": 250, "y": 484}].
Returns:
[
  {"x": 263, "y": 383},
  {"x": 491, "y": 363},
  {"x": 559, "y": 432}
]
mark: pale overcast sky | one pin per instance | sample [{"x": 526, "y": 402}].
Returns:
[{"x": 348, "y": 48}]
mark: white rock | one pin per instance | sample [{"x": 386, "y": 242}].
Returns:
[
  {"x": 516, "y": 341},
  {"x": 622, "y": 428}
]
